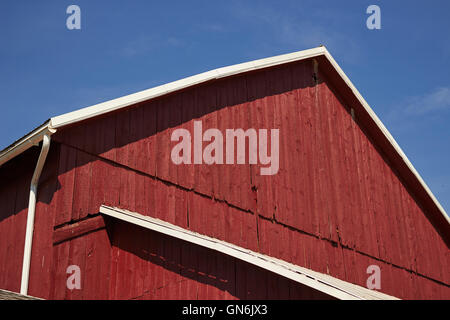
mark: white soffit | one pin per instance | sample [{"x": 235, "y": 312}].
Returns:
[{"x": 324, "y": 283}]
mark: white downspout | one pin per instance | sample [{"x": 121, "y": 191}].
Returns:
[{"x": 31, "y": 212}]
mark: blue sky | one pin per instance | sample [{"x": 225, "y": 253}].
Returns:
[{"x": 402, "y": 70}]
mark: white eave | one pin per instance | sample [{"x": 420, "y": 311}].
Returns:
[
  {"x": 164, "y": 89},
  {"x": 125, "y": 101},
  {"x": 324, "y": 283},
  {"x": 20, "y": 146}
]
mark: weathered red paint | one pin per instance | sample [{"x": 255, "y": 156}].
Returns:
[{"x": 340, "y": 202}]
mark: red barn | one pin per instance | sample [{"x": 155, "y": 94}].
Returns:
[{"x": 110, "y": 215}]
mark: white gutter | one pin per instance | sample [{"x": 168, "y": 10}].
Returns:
[{"x": 32, "y": 210}]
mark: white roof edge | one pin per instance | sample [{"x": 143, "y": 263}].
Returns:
[
  {"x": 386, "y": 132},
  {"x": 20, "y": 146},
  {"x": 115, "y": 104},
  {"x": 324, "y": 283}
]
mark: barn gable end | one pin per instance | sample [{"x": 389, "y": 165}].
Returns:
[{"x": 340, "y": 202}]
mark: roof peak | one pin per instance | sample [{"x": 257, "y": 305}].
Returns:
[{"x": 60, "y": 121}]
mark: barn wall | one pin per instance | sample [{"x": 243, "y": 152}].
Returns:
[
  {"x": 334, "y": 182},
  {"x": 106, "y": 274},
  {"x": 335, "y": 206},
  {"x": 91, "y": 252},
  {"x": 15, "y": 180}
]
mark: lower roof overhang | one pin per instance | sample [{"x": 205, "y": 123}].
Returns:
[{"x": 329, "y": 285}]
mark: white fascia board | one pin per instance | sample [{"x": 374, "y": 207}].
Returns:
[
  {"x": 30, "y": 140},
  {"x": 385, "y": 131},
  {"x": 112, "y": 105},
  {"x": 324, "y": 283}
]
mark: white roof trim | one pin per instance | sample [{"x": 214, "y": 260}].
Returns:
[
  {"x": 324, "y": 283},
  {"x": 385, "y": 131},
  {"x": 144, "y": 95},
  {"x": 31, "y": 139},
  {"x": 116, "y": 104}
]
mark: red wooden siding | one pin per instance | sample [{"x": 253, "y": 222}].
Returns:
[
  {"x": 14, "y": 190},
  {"x": 161, "y": 267},
  {"x": 336, "y": 206}
]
